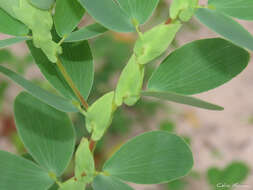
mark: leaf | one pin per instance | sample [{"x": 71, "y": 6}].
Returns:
[
  {"x": 130, "y": 83},
  {"x": 109, "y": 183},
  {"x": 241, "y": 9},
  {"x": 109, "y": 14},
  {"x": 199, "y": 66},
  {"x": 154, "y": 42},
  {"x": 47, "y": 133},
  {"x": 72, "y": 184},
  {"x": 84, "y": 162},
  {"x": 11, "y": 26},
  {"x": 43, "y": 95},
  {"x": 86, "y": 33},
  {"x": 68, "y": 14},
  {"x": 11, "y": 41},
  {"x": 138, "y": 10},
  {"x": 19, "y": 174},
  {"x": 99, "y": 116},
  {"x": 43, "y": 4},
  {"x": 77, "y": 60},
  {"x": 226, "y": 27},
  {"x": 151, "y": 158},
  {"x": 182, "y": 99}
]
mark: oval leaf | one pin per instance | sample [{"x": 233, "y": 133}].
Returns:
[
  {"x": 68, "y": 14},
  {"x": 42, "y": 4},
  {"x": 182, "y": 99},
  {"x": 241, "y": 9},
  {"x": 151, "y": 158},
  {"x": 47, "y": 133},
  {"x": 43, "y": 95},
  {"x": 199, "y": 66},
  {"x": 86, "y": 33},
  {"x": 109, "y": 183},
  {"x": 11, "y": 26},
  {"x": 109, "y": 14},
  {"x": 77, "y": 60},
  {"x": 19, "y": 174},
  {"x": 11, "y": 41},
  {"x": 226, "y": 27}
]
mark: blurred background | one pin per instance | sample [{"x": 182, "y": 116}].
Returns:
[{"x": 222, "y": 142}]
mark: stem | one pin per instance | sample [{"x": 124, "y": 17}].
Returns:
[{"x": 71, "y": 84}]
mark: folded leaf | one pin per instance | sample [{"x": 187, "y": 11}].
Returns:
[
  {"x": 226, "y": 27},
  {"x": 45, "y": 96},
  {"x": 19, "y": 173},
  {"x": 42, "y": 4},
  {"x": 241, "y": 9},
  {"x": 182, "y": 99},
  {"x": 10, "y": 25},
  {"x": 109, "y": 183},
  {"x": 151, "y": 158},
  {"x": 86, "y": 33},
  {"x": 72, "y": 184},
  {"x": 199, "y": 66},
  {"x": 11, "y": 41},
  {"x": 183, "y": 9},
  {"x": 47, "y": 133},
  {"x": 68, "y": 14}
]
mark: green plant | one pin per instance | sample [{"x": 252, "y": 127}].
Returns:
[{"x": 62, "y": 53}]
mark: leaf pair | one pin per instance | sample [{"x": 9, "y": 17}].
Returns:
[
  {"x": 49, "y": 137},
  {"x": 197, "y": 67},
  {"x": 151, "y": 158},
  {"x": 118, "y": 15}
]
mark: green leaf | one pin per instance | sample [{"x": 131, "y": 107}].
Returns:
[
  {"x": 138, "y": 9},
  {"x": 11, "y": 26},
  {"x": 86, "y": 33},
  {"x": 99, "y": 116},
  {"x": 182, "y": 99},
  {"x": 47, "y": 133},
  {"x": 109, "y": 183},
  {"x": 151, "y": 158},
  {"x": 199, "y": 66},
  {"x": 84, "y": 162},
  {"x": 72, "y": 184},
  {"x": 11, "y": 41},
  {"x": 177, "y": 185},
  {"x": 43, "y": 4},
  {"x": 19, "y": 174},
  {"x": 154, "y": 42},
  {"x": 77, "y": 60},
  {"x": 68, "y": 14},
  {"x": 241, "y": 9},
  {"x": 43, "y": 95},
  {"x": 226, "y": 27}
]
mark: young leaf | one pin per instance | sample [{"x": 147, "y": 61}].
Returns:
[
  {"x": 55, "y": 101},
  {"x": 226, "y": 27},
  {"x": 241, "y": 9},
  {"x": 47, "y": 133},
  {"x": 199, "y": 66},
  {"x": 138, "y": 10},
  {"x": 72, "y": 184},
  {"x": 182, "y": 99},
  {"x": 99, "y": 116},
  {"x": 109, "y": 14},
  {"x": 130, "y": 83},
  {"x": 154, "y": 42},
  {"x": 10, "y": 25},
  {"x": 84, "y": 162},
  {"x": 19, "y": 174},
  {"x": 11, "y": 41},
  {"x": 86, "y": 33},
  {"x": 151, "y": 158},
  {"x": 77, "y": 60},
  {"x": 109, "y": 183},
  {"x": 68, "y": 14},
  {"x": 42, "y": 4}
]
